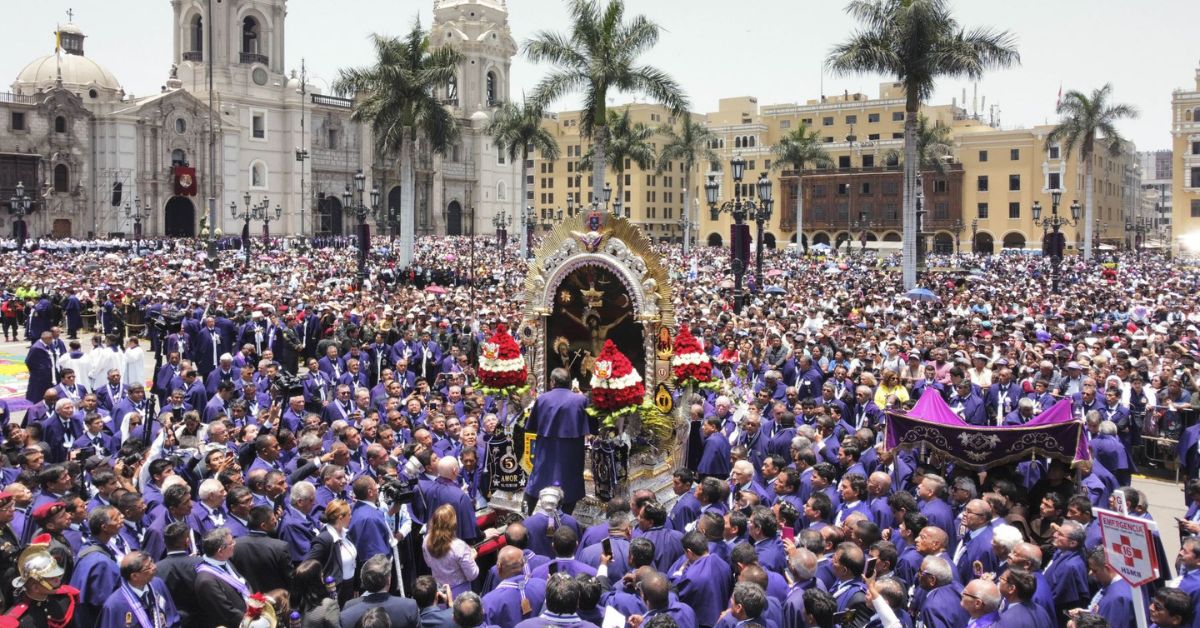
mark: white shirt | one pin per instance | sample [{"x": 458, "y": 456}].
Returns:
[{"x": 347, "y": 552}]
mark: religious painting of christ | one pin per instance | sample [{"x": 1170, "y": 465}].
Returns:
[{"x": 591, "y": 305}]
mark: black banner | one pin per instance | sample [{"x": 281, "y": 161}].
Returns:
[{"x": 504, "y": 466}]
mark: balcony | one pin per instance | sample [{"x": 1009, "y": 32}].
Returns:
[
  {"x": 332, "y": 101},
  {"x": 19, "y": 99},
  {"x": 450, "y": 102},
  {"x": 193, "y": 55},
  {"x": 253, "y": 57}
]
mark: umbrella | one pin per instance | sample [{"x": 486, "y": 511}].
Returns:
[
  {"x": 775, "y": 272},
  {"x": 435, "y": 290},
  {"x": 975, "y": 278},
  {"x": 774, "y": 290},
  {"x": 833, "y": 270},
  {"x": 921, "y": 294},
  {"x": 727, "y": 283},
  {"x": 820, "y": 246}
]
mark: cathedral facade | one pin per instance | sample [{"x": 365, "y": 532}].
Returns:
[{"x": 97, "y": 160}]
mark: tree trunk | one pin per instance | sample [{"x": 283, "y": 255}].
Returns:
[
  {"x": 911, "y": 166},
  {"x": 1089, "y": 205},
  {"x": 620, "y": 187},
  {"x": 601, "y": 139},
  {"x": 799, "y": 213},
  {"x": 519, "y": 215},
  {"x": 408, "y": 207},
  {"x": 687, "y": 212}
]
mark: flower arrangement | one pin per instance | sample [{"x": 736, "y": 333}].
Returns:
[
  {"x": 616, "y": 387},
  {"x": 502, "y": 370},
  {"x": 690, "y": 363}
]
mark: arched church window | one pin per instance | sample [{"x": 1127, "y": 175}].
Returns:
[
  {"x": 250, "y": 35},
  {"x": 197, "y": 34},
  {"x": 491, "y": 88}
]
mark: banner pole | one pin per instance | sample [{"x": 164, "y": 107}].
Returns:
[{"x": 1139, "y": 607}]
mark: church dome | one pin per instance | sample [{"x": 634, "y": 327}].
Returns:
[{"x": 78, "y": 72}]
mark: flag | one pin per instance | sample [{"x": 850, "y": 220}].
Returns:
[
  {"x": 57, "y": 39},
  {"x": 1058, "y": 102}
]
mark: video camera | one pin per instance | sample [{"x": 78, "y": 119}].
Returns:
[{"x": 398, "y": 491}]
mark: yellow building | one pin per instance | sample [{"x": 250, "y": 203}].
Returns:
[
  {"x": 858, "y": 132},
  {"x": 653, "y": 201},
  {"x": 1185, "y": 166},
  {"x": 1008, "y": 170}
]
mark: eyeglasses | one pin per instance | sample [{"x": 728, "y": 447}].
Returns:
[{"x": 965, "y": 594}]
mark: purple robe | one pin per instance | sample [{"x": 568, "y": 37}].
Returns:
[
  {"x": 444, "y": 491},
  {"x": 704, "y": 585},
  {"x": 560, "y": 420},
  {"x": 502, "y": 606}
]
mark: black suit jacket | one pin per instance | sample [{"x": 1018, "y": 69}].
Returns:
[
  {"x": 434, "y": 617},
  {"x": 266, "y": 563},
  {"x": 322, "y": 550},
  {"x": 222, "y": 604},
  {"x": 178, "y": 572},
  {"x": 402, "y": 611}
]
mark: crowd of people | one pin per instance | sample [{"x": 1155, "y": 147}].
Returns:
[{"x": 214, "y": 443}]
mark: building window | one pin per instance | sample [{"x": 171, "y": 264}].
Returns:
[
  {"x": 898, "y": 135},
  {"x": 1014, "y": 183},
  {"x": 851, "y": 119},
  {"x": 828, "y": 139},
  {"x": 197, "y": 34},
  {"x": 62, "y": 179},
  {"x": 180, "y": 126},
  {"x": 491, "y": 88},
  {"x": 868, "y": 161},
  {"x": 785, "y": 124},
  {"x": 258, "y": 175},
  {"x": 1054, "y": 181},
  {"x": 258, "y": 125},
  {"x": 501, "y": 191},
  {"x": 983, "y": 155},
  {"x": 940, "y": 186},
  {"x": 843, "y": 161},
  {"x": 1196, "y": 148},
  {"x": 1014, "y": 154},
  {"x": 332, "y": 140},
  {"x": 1196, "y": 177},
  {"x": 1014, "y": 210},
  {"x": 500, "y": 155},
  {"x": 250, "y": 36},
  {"x": 982, "y": 185},
  {"x": 873, "y": 137},
  {"x": 827, "y": 121},
  {"x": 897, "y": 116},
  {"x": 60, "y": 124},
  {"x": 178, "y": 157},
  {"x": 872, "y": 117},
  {"x": 1053, "y": 152},
  {"x": 17, "y": 120},
  {"x": 982, "y": 210},
  {"x": 818, "y": 191},
  {"x": 891, "y": 188},
  {"x": 1196, "y": 208},
  {"x": 865, "y": 190},
  {"x": 843, "y": 189}
]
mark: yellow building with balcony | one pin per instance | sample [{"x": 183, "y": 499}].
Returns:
[{"x": 1185, "y": 166}]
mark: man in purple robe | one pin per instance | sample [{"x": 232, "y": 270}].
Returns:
[
  {"x": 939, "y": 602},
  {"x": 447, "y": 490},
  {"x": 702, "y": 581},
  {"x": 976, "y": 545},
  {"x": 1066, "y": 571},
  {"x": 140, "y": 595},
  {"x": 516, "y": 597},
  {"x": 40, "y": 363},
  {"x": 714, "y": 460},
  {"x": 560, "y": 421}
]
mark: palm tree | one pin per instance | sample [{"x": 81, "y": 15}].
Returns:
[
  {"x": 917, "y": 41},
  {"x": 1082, "y": 117},
  {"x": 800, "y": 149},
  {"x": 627, "y": 140},
  {"x": 934, "y": 145},
  {"x": 598, "y": 56},
  {"x": 396, "y": 97},
  {"x": 689, "y": 145},
  {"x": 518, "y": 129}
]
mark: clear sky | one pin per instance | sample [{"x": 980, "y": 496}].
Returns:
[{"x": 772, "y": 49}]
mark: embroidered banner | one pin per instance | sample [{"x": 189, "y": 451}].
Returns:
[
  {"x": 185, "y": 181},
  {"x": 1053, "y": 433}
]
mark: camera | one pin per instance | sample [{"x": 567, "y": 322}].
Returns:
[
  {"x": 286, "y": 385},
  {"x": 167, "y": 320},
  {"x": 398, "y": 491}
]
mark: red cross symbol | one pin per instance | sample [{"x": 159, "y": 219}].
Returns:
[{"x": 1125, "y": 550}]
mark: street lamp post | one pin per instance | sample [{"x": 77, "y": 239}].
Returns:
[
  {"x": 974, "y": 235},
  {"x": 1055, "y": 222},
  {"x": 20, "y": 204},
  {"x": 355, "y": 202},
  {"x": 268, "y": 216},
  {"x": 607, "y": 196},
  {"x": 248, "y": 213},
  {"x": 1139, "y": 227},
  {"x": 137, "y": 211},
  {"x": 530, "y": 219},
  {"x": 760, "y": 215},
  {"x": 501, "y": 221},
  {"x": 740, "y": 234},
  {"x": 957, "y": 226}
]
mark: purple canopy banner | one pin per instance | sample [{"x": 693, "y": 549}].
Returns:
[{"x": 1054, "y": 433}]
